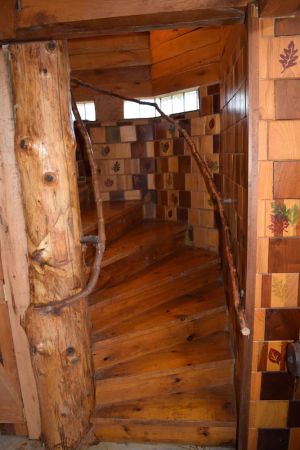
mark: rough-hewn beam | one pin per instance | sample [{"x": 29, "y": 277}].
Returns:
[
  {"x": 108, "y": 60},
  {"x": 73, "y": 18},
  {"x": 7, "y": 19},
  {"x": 126, "y": 42},
  {"x": 278, "y": 8}
]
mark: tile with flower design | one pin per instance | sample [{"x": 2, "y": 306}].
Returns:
[
  {"x": 280, "y": 290},
  {"x": 283, "y": 218},
  {"x": 271, "y": 356},
  {"x": 283, "y": 57}
]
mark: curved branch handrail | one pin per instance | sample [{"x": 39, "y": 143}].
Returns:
[{"x": 208, "y": 178}]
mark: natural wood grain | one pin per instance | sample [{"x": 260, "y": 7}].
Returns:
[
  {"x": 57, "y": 20},
  {"x": 109, "y": 60},
  {"x": 14, "y": 253},
  {"x": 287, "y": 179},
  {"x": 284, "y": 255},
  {"x": 44, "y": 146},
  {"x": 277, "y": 8},
  {"x": 7, "y": 20},
  {"x": 284, "y": 140},
  {"x": 101, "y": 44},
  {"x": 289, "y": 26},
  {"x": 287, "y": 99}
]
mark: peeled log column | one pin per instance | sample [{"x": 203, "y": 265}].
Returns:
[{"x": 45, "y": 150}]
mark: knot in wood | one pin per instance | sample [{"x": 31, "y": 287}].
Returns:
[
  {"x": 24, "y": 144},
  {"x": 51, "y": 46},
  {"x": 49, "y": 177}
]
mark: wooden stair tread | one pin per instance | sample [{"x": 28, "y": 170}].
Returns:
[
  {"x": 147, "y": 233},
  {"x": 169, "y": 381},
  {"x": 183, "y": 307},
  {"x": 207, "y": 407},
  {"x": 111, "y": 211},
  {"x": 130, "y": 346},
  {"x": 211, "y": 348}
]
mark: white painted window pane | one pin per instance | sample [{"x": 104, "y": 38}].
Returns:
[
  {"x": 166, "y": 105},
  {"x": 90, "y": 111},
  {"x": 191, "y": 101},
  {"x": 178, "y": 105},
  {"x": 81, "y": 110},
  {"x": 131, "y": 110},
  {"x": 147, "y": 111}
]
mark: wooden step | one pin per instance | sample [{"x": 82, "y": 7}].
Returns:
[
  {"x": 139, "y": 248},
  {"x": 174, "y": 276},
  {"x": 212, "y": 348},
  {"x": 163, "y": 382},
  {"x": 181, "y": 308},
  {"x": 159, "y": 419},
  {"x": 130, "y": 346},
  {"x": 119, "y": 217}
]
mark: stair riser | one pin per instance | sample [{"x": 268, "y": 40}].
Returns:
[
  {"x": 133, "y": 264},
  {"x": 121, "y": 389},
  {"x": 111, "y": 352},
  {"x": 106, "y": 316},
  {"x": 118, "y": 227},
  {"x": 176, "y": 433}
]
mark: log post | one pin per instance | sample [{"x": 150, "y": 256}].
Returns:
[{"x": 45, "y": 151}]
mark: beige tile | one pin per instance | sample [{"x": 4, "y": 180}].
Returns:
[
  {"x": 266, "y": 99},
  {"x": 284, "y": 139},
  {"x": 268, "y": 414},
  {"x": 265, "y": 180},
  {"x": 263, "y": 140}
]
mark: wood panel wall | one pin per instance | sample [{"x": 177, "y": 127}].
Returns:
[
  {"x": 185, "y": 58},
  {"x": 274, "y": 421}
]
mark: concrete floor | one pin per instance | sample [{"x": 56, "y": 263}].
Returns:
[{"x": 16, "y": 443}]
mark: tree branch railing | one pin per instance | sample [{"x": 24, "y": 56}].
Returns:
[{"x": 208, "y": 178}]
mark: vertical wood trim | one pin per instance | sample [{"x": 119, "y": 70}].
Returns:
[
  {"x": 14, "y": 252},
  {"x": 253, "y": 124}
]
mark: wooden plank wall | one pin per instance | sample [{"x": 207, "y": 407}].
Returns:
[
  {"x": 11, "y": 405},
  {"x": 275, "y": 397},
  {"x": 185, "y": 58}
]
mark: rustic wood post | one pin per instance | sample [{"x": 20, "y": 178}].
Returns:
[{"x": 45, "y": 151}]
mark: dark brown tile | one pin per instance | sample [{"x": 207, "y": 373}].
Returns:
[
  {"x": 178, "y": 146},
  {"x": 157, "y": 148},
  {"x": 185, "y": 199},
  {"x": 184, "y": 164},
  {"x": 216, "y": 104},
  {"x": 116, "y": 196},
  {"x": 287, "y": 99},
  {"x": 266, "y": 290},
  {"x": 138, "y": 150},
  {"x": 277, "y": 386},
  {"x": 287, "y": 27},
  {"x": 182, "y": 214},
  {"x": 282, "y": 324},
  {"x": 273, "y": 439},
  {"x": 186, "y": 125},
  {"x": 160, "y": 130},
  {"x": 144, "y": 132},
  {"x": 159, "y": 181},
  {"x": 164, "y": 165},
  {"x": 112, "y": 135},
  {"x": 216, "y": 143},
  {"x": 147, "y": 165},
  {"x": 213, "y": 89},
  {"x": 284, "y": 255},
  {"x": 178, "y": 181},
  {"x": 160, "y": 212},
  {"x": 164, "y": 198},
  {"x": 294, "y": 414},
  {"x": 287, "y": 179},
  {"x": 139, "y": 182}
]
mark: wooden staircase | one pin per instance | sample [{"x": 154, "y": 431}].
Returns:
[{"x": 160, "y": 341}]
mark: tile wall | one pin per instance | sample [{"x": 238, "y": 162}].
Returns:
[{"x": 274, "y": 422}]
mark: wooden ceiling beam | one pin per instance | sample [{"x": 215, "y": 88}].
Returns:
[
  {"x": 42, "y": 19},
  {"x": 110, "y": 60},
  {"x": 132, "y": 41},
  {"x": 278, "y": 8}
]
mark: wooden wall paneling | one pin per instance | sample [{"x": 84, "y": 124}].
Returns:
[
  {"x": 286, "y": 179},
  {"x": 206, "y": 74},
  {"x": 126, "y": 42},
  {"x": 287, "y": 99},
  {"x": 277, "y": 8},
  {"x": 108, "y": 60},
  {"x": 14, "y": 254}
]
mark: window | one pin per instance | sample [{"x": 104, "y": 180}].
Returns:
[
  {"x": 87, "y": 110},
  {"x": 174, "y": 103}
]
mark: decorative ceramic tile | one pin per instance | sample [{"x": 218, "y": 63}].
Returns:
[
  {"x": 282, "y": 324},
  {"x": 112, "y": 135},
  {"x": 294, "y": 414},
  {"x": 277, "y": 386},
  {"x": 144, "y": 132},
  {"x": 280, "y": 290},
  {"x": 275, "y": 439},
  {"x": 128, "y": 133},
  {"x": 284, "y": 255},
  {"x": 271, "y": 356}
]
